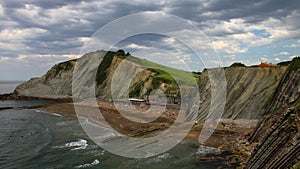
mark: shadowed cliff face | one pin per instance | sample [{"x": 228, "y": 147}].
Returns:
[{"x": 277, "y": 135}]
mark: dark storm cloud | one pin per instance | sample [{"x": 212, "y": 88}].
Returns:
[
  {"x": 67, "y": 20},
  {"x": 255, "y": 10}
]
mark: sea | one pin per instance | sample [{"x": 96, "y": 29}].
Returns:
[
  {"x": 7, "y": 87},
  {"x": 36, "y": 139}
]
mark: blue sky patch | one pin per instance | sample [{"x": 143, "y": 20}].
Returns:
[{"x": 261, "y": 33}]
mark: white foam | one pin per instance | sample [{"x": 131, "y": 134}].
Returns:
[
  {"x": 81, "y": 144},
  {"x": 95, "y": 162},
  {"x": 57, "y": 115},
  {"x": 52, "y": 114},
  {"x": 159, "y": 158},
  {"x": 206, "y": 150}
]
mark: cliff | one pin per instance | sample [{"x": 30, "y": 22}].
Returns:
[
  {"x": 248, "y": 90},
  {"x": 277, "y": 135},
  {"x": 56, "y": 83},
  {"x": 141, "y": 77}
]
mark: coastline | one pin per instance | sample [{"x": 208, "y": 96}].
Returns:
[
  {"x": 226, "y": 138},
  {"x": 13, "y": 96}
]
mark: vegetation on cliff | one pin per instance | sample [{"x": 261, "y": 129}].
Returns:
[
  {"x": 237, "y": 64},
  {"x": 171, "y": 77},
  {"x": 295, "y": 64}
]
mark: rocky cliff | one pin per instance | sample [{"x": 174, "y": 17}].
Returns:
[
  {"x": 248, "y": 89},
  {"x": 277, "y": 135},
  {"x": 56, "y": 83},
  {"x": 122, "y": 70}
]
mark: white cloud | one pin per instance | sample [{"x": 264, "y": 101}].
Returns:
[
  {"x": 1, "y": 11},
  {"x": 169, "y": 40},
  {"x": 135, "y": 46},
  {"x": 265, "y": 59},
  {"x": 284, "y": 53},
  {"x": 276, "y": 59},
  {"x": 4, "y": 58},
  {"x": 292, "y": 57},
  {"x": 228, "y": 46},
  {"x": 21, "y": 34},
  {"x": 217, "y": 27},
  {"x": 84, "y": 39}
]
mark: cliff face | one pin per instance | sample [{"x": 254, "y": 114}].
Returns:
[
  {"x": 248, "y": 90},
  {"x": 116, "y": 73},
  {"x": 277, "y": 135},
  {"x": 56, "y": 83}
]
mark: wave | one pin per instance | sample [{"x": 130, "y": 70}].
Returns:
[
  {"x": 57, "y": 115},
  {"x": 52, "y": 114},
  {"x": 95, "y": 162},
  {"x": 80, "y": 144},
  {"x": 206, "y": 150}
]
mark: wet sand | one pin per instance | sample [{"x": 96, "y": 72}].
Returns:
[
  {"x": 229, "y": 136},
  {"x": 226, "y": 135}
]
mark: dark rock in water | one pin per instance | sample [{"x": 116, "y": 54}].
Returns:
[
  {"x": 5, "y": 108},
  {"x": 204, "y": 159}
]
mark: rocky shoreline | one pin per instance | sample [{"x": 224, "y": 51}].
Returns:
[
  {"x": 13, "y": 96},
  {"x": 225, "y": 138}
]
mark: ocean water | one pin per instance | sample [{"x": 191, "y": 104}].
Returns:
[
  {"x": 34, "y": 139},
  {"x": 8, "y": 86}
]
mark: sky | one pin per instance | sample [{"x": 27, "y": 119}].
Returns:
[{"x": 36, "y": 34}]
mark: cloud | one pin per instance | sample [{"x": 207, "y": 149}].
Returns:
[
  {"x": 277, "y": 59},
  {"x": 292, "y": 57},
  {"x": 21, "y": 34},
  {"x": 234, "y": 28},
  {"x": 135, "y": 46},
  {"x": 284, "y": 53}
]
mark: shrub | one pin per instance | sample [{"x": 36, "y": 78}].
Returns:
[{"x": 237, "y": 64}]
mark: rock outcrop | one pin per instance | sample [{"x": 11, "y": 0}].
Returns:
[
  {"x": 56, "y": 83},
  {"x": 248, "y": 90},
  {"x": 277, "y": 135}
]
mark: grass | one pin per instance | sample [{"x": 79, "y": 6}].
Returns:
[
  {"x": 63, "y": 66},
  {"x": 162, "y": 74},
  {"x": 168, "y": 74}
]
